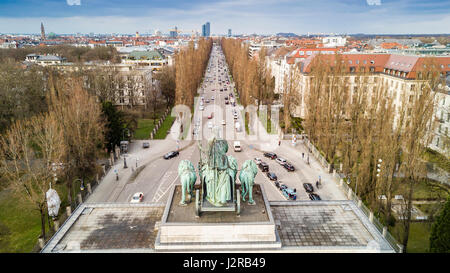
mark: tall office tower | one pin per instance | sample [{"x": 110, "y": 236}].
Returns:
[
  {"x": 229, "y": 32},
  {"x": 42, "y": 32},
  {"x": 203, "y": 30},
  {"x": 208, "y": 30},
  {"x": 173, "y": 33}
]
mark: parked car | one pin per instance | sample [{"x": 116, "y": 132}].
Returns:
[
  {"x": 223, "y": 122},
  {"x": 257, "y": 160},
  {"x": 314, "y": 197},
  {"x": 264, "y": 166},
  {"x": 272, "y": 176},
  {"x": 308, "y": 187},
  {"x": 277, "y": 184},
  {"x": 270, "y": 155},
  {"x": 145, "y": 145},
  {"x": 237, "y": 146},
  {"x": 290, "y": 194},
  {"x": 289, "y": 167},
  {"x": 281, "y": 161},
  {"x": 211, "y": 115},
  {"x": 282, "y": 186},
  {"x": 210, "y": 125},
  {"x": 169, "y": 155},
  {"x": 137, "y": 197}
]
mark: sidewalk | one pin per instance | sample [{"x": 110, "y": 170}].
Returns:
[{"x": 312, "y": 171}]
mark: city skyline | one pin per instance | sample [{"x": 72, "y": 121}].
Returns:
[{"x": 244, "y": 17}]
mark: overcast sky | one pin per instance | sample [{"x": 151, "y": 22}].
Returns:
[{"x": 242, "y": 16}]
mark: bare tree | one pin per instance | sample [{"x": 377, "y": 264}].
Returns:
[
  {"x": 80, "y": 116},
  {"x": 28, "y": 150}
]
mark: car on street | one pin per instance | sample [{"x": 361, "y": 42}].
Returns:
[
  {"x": 223, "y": 122},
  {"x": 257, "y": 160},
  {"x": 277, "y": 184},
  {"x": 289, "y": 167},
  {"x": 272, "y": 176},
  {"x": 207, "y": 100},
  {"x": 281, "y": 160},
  {"x": 237, "y": 146},
  {"x": 137, "y": 197},
  {"x": 210, "y": 125},
  {"x": 169, "y": 155},
  {"x": 308, "y": 187},
  {"x": 202, "y": 108},
  {"x": 145, "y": 145},
  {"x": 264, "y": 166},
  {"x": 211, "y": 115},
  {"x": 282, "y": 186},
  {"x": 270, "y": 155},
  {"x": 290, "y": 194},
  {"x": 314, "y": 197}
]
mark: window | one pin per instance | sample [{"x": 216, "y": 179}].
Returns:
[
  {"x": 372, "y": 62},
  {"x": 365, "y": 62},
  {"x": 372, "y": 69},
  {"x": 349, "y": 61},
  {"x": 352, "y": 69},
  {"x": 357, "y": 61}
]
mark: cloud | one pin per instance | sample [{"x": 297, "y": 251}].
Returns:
[
  {"x": 373, "y": 2},
  {"x": 74, "y": 2}
]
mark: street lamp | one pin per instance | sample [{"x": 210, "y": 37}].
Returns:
[{"x": 81, "y": 183}]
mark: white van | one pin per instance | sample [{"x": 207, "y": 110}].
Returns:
[
  {"x": 237, "y": 125},
  {"x": 237, "y": 146}
]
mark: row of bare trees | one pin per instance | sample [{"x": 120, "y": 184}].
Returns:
[
  {"x": 354, "y": 120},
  {"x": 251, "y": 76},
  {"x": 190, "y": 65}
]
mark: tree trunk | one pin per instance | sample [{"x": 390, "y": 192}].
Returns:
[
  {"x": 408, "y": 216},
  {"x": 41, "y": 210}
]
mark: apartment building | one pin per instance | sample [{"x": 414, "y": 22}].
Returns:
[
  {"x": 43, "y": 60},
  {"x": 152, "y": 59},
  {"x": 399, "y": 73}
]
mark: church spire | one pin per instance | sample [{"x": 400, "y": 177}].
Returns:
[{"x": 42, "y": 32}]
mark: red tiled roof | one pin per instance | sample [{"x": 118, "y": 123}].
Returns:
[{"x": 410, "y": 65}]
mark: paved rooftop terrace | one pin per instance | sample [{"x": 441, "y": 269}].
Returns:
[
  {"x": 303, "y": 226},
  {"x": 325, "y": 225}
]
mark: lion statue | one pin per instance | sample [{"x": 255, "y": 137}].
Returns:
[
  {"x": 186, "y": 171},
  {"x": 247, "y": 178}
]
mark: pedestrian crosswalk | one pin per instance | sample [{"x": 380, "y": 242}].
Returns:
[{"x": 168, "y": 179}]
